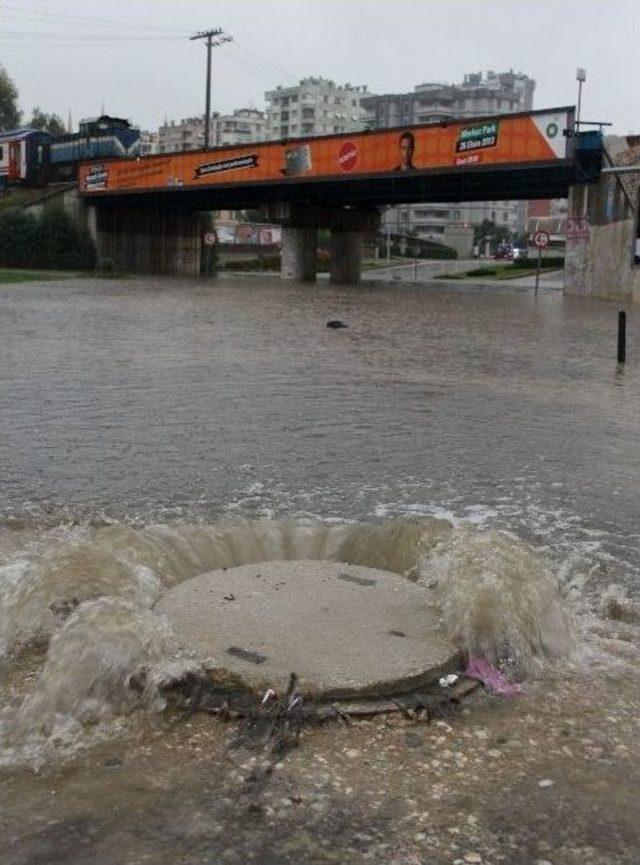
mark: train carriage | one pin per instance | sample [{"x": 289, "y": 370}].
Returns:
[{"x": 24, "y": 157}]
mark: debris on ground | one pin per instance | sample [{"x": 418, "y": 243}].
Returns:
[{"x": 491, "y": 677}]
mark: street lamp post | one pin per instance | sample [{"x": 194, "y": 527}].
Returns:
[{"x": 581, "y": 77}]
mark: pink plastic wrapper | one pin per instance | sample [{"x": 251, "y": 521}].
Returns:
[{"x": 491, "y": 677}]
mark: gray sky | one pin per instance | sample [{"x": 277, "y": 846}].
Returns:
[{"x": 134, "y": 56}]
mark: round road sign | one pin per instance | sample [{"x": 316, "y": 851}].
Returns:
[
  {"x": 209, "y": 238},
  {"x": 541, "y": 239}
]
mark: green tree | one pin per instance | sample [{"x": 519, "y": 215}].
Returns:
[
  {"x": 9, "y": 112},
  {"x": 53, "y": 241},
  {"x": 495, "y": 233},
  {"x": 52, "y": 123}
]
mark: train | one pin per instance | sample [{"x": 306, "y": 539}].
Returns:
[{"x": 29, "y": 157}]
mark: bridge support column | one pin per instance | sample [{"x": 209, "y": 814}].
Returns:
[
  {"x": 149, "y": 241},
  {"x": 300, "y": 222},
  {"x": 299, "y": 254},
  {"x": 346, "y": 256}
]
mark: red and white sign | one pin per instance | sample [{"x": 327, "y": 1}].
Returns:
[
  {"x": 348, "y": 156},
  {"x": 578, "y": 228},
  {"x": 469, "y": 159},
  {"x": 541, "y": 239},
  {"x": 209, "y": 239}
]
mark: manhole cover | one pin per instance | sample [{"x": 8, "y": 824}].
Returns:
[{"x": 344, "y": 629}]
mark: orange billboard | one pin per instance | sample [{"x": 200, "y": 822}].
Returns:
[{"x": 504, "y": 140}]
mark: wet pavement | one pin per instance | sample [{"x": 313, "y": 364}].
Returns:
[{"x": 550, "y": 777}]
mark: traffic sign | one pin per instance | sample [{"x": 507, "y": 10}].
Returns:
[
  {"x": 541, "y": 239},
  {"x": 210, "y": 238}
]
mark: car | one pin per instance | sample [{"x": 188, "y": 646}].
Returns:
[{"x": 519, "y": 252}]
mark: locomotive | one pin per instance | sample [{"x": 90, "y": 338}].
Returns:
[{"x": 32, "y": 158}]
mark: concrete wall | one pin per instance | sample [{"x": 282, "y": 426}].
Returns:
[
  {"x": 601, "y": 236},
  {"x": 148, "y": 241},
  {"x": 459, "y": 238},
  {"x": 58, "y": 196}
]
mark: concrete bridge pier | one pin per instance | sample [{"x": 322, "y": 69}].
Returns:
[
  {"x": 346, "y": 256},
  {"x": 300, "y": 223},
  {"x": 145, "y": 240},
  {"x": 299, "y": 254}
]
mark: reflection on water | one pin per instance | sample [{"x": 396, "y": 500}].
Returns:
[{"x": 146, "y": 424}]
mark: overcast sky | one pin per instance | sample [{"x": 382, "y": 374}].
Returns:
[{"x": 134, "y": 57}]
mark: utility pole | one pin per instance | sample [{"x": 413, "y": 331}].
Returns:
[{"x": 214, "y": 38}]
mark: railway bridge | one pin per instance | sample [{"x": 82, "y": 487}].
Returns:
[{"x": 146, "y": 212}]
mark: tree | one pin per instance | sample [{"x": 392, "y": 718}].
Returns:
[
  {"x": 52, "y": 123},
  {"x": 495, "y": 233},
  {"x": 9, "y": 112}
]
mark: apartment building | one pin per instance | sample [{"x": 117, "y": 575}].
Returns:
[
  {"x": 478, "y": 94},
  {"x": 315, "y": 106},
  {"x": 243, "y": 126}
]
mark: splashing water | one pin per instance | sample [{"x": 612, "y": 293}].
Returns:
[
  {"x": 498, "y": 599},
  {"x": 90, "y": 598}
]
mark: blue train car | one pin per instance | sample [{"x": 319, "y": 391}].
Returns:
[
  {"x": 97, "y": 138},
  {"x": 24, "y": 157}
]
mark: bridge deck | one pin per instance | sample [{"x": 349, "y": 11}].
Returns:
[{"x": 516, "y": 156}]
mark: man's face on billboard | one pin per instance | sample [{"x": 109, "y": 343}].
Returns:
[{"x": 406, "y": 150}]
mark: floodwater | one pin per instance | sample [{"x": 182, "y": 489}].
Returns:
[{"x": 480, "y": 440}]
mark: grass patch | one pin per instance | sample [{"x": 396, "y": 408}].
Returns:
[
  {"x": 500, "y": 271},
  {"x": 10, "y": 276}
]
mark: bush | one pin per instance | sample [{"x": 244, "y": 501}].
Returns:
[
  {"x": 107, "y": 267},
  {"x": 548, "y": 261},
  {"x": 53, "y": 241},
  {"x": 484, "y": 271},
  {"x": 418, "y": 249},
  {"x": 18, "y": 239}
]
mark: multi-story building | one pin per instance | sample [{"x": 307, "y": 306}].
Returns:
[
  {"x": 315, "y": 106},
  {"x": 245, "y": 125},
  {"x": 477, "y": 95},
  {"x": 187, "y": 134},
  {"x": 148, "y": 142}
]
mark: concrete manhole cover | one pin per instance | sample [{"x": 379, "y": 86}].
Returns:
[{"x": 344, "y": 629}]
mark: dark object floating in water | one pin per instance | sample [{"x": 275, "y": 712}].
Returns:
[
  {"x": 245, "y": 655},
  {"x": 335, "y": 323}
]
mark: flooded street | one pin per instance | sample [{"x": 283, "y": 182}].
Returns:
[{"x": 481, "y": 441}]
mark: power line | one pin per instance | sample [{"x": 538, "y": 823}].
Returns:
[{"x": 10, "y": 11}]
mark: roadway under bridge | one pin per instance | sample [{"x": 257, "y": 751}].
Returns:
[{"x": 146, "y": 212}]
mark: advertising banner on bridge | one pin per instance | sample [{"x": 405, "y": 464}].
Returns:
[{"x": 520, "y": 139}]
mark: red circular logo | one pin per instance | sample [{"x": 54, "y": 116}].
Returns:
[{"x": 348, "y": 156}]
